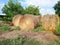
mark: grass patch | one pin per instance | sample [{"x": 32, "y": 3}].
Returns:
[
  {"x": 16, "y": 28},
  {"x": 40, "y": 28},
  {"x": 19, "y": 41},
  {"x": 15, "y": 41},
  {"x": 58, "y": 29},
  {"x": 26, "y": 41},
  {"x": 4, "y": 28},
  {"x": 31, "y": 41}
]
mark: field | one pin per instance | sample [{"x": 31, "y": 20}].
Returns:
[{"x": 10, "y": 35}]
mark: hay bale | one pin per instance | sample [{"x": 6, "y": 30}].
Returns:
[
  {"x": 16, "y": 20},
  {"x": 28, "y": 22},
  {"x": 49, "y": 22}
]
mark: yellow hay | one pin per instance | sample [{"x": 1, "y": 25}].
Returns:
[
  {"x": 28, "y": 22},
  {"x": 16, "y": 19},
  {"x": 49, "y": 22}
]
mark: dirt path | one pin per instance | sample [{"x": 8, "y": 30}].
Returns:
[{"x": 40, "y": 36}]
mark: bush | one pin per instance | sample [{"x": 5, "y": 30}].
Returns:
[{"x": 13, "y": 7}]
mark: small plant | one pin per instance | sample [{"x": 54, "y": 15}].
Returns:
[
  {"x": 58, "y": 29},
  {"x": 5, "y": 27},
  {"x": 17, "y": 28},
  {"x": 40, "y": 28}
]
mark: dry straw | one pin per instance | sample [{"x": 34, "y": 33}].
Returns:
[
  {"x": 27, "y": 21},
  {"x": 49, "y": 22}
]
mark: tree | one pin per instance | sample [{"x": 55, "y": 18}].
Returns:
[
  {"x": 32, "y": 10},
  {"x": 12, "y": 8},
  {"x": 57, "y": 8}
]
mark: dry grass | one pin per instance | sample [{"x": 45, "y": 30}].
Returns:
[{"x": 49, "y": 22}]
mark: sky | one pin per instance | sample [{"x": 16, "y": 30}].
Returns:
[{"x": 45, "y": 6}]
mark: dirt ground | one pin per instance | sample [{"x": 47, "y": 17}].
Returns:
[{"x": 40, "y": 36}]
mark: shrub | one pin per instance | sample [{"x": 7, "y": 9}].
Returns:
[{"x": 5, "y": 27}]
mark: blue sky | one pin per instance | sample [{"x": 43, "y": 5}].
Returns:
[{"x": 45, "y": 6}]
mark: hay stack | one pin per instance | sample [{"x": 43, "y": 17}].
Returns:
[
  {"x": 28, "y": 22},
  {"x": 16, "y": 20},
  {"x": 49, "y": 22}
]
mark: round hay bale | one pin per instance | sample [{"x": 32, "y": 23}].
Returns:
[
  {"x": 28, "y": 22},
  {"x": 36, "y": 19},
  {"x": 16, "y": 20},
  {"x": 49, "y": 22}
]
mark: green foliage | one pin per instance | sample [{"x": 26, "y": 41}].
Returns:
[
  {"x": 57, "y": 8},
  {"x": 40, "y": 28},
  {"x": 4, "y": 28},
  {"x": 17, "y": 28},
  {"x": 12, "y": 8},
  {"x": 58, "y": 29},
  {"x": 32, "y": 10}
]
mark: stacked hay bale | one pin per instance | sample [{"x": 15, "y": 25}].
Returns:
[
  {"x": 16, "y": 20},
  {"x": 49, "y": 22},
  {"x": 29, "y": 21}
]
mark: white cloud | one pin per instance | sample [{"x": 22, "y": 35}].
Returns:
[
  {"x": 44, "y": 11},
  {"x": 44, "y": 5},
  {"x": 41, "y": 2},
  {"x": 1, "y": 6}
]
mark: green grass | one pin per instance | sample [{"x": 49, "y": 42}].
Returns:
[
  {"x": 4, "y": 28},
  {"x": 15, "y": 41},
  {"x": 39, "y": 28},
  {"x": 58, "y": 29},
  {"x": 18, "y": 41},
  {"x": 23, "y": 41},
  {"x": 16, "y": 28},
  {"x": 26, "y": 41}
]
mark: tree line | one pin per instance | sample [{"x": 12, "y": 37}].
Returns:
[{"x": 13, "y": 8}]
